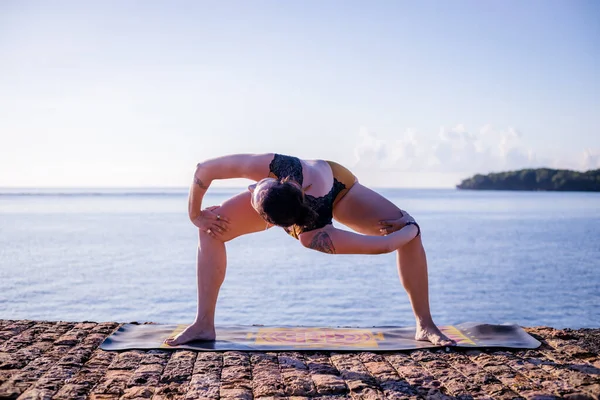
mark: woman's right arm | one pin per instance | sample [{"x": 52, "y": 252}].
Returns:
[
  {"x": 249, "y": 166},
  {"x": 197, "y": 189}
]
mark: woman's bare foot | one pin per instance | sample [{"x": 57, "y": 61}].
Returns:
[
  {"x": 191, "y": 333},
  {"x": 432, "y": 334}
]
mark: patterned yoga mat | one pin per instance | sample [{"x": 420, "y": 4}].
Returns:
[{"x": 272, "y": 338}]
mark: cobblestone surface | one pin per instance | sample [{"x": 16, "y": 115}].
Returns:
[{"x": 61, "y": 360}]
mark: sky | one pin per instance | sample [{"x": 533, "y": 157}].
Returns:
[{"x": 405, "y": 94}]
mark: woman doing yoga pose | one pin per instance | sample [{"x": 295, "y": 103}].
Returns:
[{"x": 302, "y": 196}]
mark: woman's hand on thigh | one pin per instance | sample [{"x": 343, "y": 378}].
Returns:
[
  {"x": 392, "y": 225},
  {"x": 212, "y": 222}
]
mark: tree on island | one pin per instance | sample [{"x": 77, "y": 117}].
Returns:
[{"x": 535, "y": 179}]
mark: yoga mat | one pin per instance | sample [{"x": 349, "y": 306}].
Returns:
[{"x": 273, "y": 338}]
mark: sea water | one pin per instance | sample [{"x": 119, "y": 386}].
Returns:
[{"x": 531, "y": 258}]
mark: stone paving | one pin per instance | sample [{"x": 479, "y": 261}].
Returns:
[{"x": 61, "y": 360}]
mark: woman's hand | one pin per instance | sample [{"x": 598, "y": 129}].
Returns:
[
  {"x": 212, "y": 223},
  {"x": 403, "y": 236},
  {"x": 392, "y": 225}
]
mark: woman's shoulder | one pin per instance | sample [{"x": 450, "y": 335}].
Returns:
[
  {"x": 283, "y": 166},
  {"x": 259, "y": 164}
]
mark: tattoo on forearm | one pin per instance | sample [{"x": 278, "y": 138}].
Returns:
[
  {"x": 322, "y": 242},
  {"x": 199, "y": 183}
]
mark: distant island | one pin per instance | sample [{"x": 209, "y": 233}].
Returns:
[{"x": 535, "y": 179}]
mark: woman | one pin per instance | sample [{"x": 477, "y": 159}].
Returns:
[{"x": 302, "y": 196}]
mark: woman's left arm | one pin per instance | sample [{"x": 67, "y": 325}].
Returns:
[{"x": 337, "y": 241}]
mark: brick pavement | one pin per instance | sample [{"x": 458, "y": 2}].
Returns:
[{"x": 61, "y": 360}]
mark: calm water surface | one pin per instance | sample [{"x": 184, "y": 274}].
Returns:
[{"x": 117, "y": 255}]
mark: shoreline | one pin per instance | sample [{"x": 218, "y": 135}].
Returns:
[{"x": 58, "y": 359}]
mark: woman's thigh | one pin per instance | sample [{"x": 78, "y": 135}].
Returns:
[
  {"x": 243, "y": 218},
  {"x": 361, "y": 209}
]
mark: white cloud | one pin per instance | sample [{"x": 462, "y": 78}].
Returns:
[
  {"x": 370, "y": 150},
  {"x": 590, "y": 160},
  {"x": 487, "y": 128},
  {"x": 457, "y": 150},
  {"x": 405, "y": 152}
]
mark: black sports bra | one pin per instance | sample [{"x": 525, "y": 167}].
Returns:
[{"x": 283, "y": 166}]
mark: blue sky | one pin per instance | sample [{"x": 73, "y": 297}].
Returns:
[{"x": 406, "y": 94}]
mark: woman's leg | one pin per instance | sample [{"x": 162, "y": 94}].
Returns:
[
  {"x": 212, "y": 263},
  {"x": 361, "y": 209}
]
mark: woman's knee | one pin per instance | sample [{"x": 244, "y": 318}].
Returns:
[
  {"x": 207, "y": 238},
  {"x": 412, "y": 250}
]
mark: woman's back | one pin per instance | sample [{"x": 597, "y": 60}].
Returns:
[{"x": 318, "y": 177}]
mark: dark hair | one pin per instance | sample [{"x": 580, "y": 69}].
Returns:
[{"x": 284, "y": 205}]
